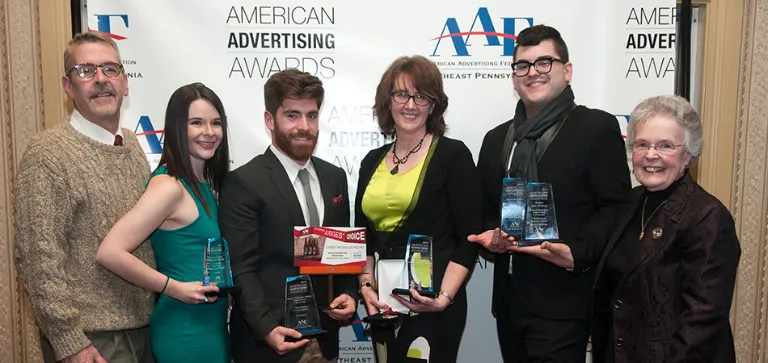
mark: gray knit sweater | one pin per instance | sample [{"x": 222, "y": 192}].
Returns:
[{"x": 69, "y": 191}]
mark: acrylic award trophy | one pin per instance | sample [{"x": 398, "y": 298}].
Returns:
[
  {"x": 528, "y": 212},
  {"x": 418, "y": 265},
  {"x": 300, "y": 306},
  {"x": 217, "y": 269},
  {"x": 513, "y": 201}
]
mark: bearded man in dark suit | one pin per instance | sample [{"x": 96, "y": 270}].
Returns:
[{"x": 260, "y": 203}]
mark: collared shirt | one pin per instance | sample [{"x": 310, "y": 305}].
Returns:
[
  {"x": 93, "y": 130},
  {"x": 292, "y": 169}
]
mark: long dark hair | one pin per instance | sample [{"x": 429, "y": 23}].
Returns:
[{"x": 176, "y": 144}]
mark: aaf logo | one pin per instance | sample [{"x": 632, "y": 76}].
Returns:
[
  {"x": 104, "y": 24},
  {"x": 483, "y": 25},
  {"x": 360, "y": 329},
  {"x": 153, "y": 137}
]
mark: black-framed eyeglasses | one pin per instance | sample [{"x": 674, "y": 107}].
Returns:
[
  {"x": 543, "y": 65},
  {"x": 403, "y": 97},
  {"x": 664, "y": 147},
  {"x": 88, "y": 70}
]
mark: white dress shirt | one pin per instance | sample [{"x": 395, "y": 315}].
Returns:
[
  {"x": 292, "y": 169},
  {"x": 93, "y": 130}
]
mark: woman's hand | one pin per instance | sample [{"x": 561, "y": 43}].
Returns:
[
  {"x": 371, "y": 299},
  {"x": 423, "y": 304},
  {"x": 555, "y": 253},
  {"x": 192, "y": 292}
]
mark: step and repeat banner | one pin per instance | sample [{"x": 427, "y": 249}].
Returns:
[{"x": 622, "y": 52}]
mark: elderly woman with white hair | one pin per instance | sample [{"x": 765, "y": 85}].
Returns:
[{"x": 664, "y": 285}]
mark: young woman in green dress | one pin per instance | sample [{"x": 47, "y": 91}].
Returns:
[{"x": 178, "y": 212}]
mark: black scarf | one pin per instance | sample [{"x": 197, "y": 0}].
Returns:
[{"x": 525, "y": 132}]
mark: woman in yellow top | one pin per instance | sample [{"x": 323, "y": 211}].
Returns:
[{"x": 422, "y": 183}]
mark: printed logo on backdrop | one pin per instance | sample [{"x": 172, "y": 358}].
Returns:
[
  {"x": 151, "y": 140},
  {"x": 479, "y": 45},
  {"x": 104, "y": 24},
  {"x": 354, "y": 342},
  {"x": 264, "y": 40},
  {"x": 115, "y": 27},
  {"x": 650, "y": 47}
]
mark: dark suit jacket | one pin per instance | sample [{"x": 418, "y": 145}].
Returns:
[
  {"x": 448, "y": 207},
  {"x": 258, "y": 210},
  {"x": 587, "y": 167},
  {"x": 673, "y": 302}
]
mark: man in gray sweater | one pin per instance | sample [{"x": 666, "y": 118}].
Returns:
[{"x": 74, "y": 182}]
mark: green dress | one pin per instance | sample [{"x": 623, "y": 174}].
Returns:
[{"x": 182, "y": 332}]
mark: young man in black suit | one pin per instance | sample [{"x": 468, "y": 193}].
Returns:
[
  {"x": 260, "y": 203},
  {"x": 542, "y": 293}
]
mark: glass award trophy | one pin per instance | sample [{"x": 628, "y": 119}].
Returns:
[
  {"x": 540, "y": 218},
  {"x": 528, "y": 212},
  {"x": 513, "y": 194},
  {"x": 300, "y": 306},
  {"x": 418, "y": 265},
  {"x": 216, "y": 266}
]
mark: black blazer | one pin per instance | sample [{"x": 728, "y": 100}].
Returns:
[
  {"x": 673, "y": 302},
  {"x": 257, "y": 212},
  {"x": 587, "y": 166},
  {"x": 448, "y": 207}
]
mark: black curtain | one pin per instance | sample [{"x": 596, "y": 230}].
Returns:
[
  {"x": 683, "y": 57},
  {"x": 77, "y": 21}
]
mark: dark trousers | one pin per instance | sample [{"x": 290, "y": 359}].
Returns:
[{"x": 526, "y": 338}]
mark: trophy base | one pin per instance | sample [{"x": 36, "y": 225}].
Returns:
[
  {"x": 384, "y": 319},
  {"x": 536, "y": 242},
  {"x": 407, "y": 292},
  {"x": 306, "y": 334}
]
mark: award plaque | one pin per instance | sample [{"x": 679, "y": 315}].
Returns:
[
  {"x": 300, "y": 306},
  {"x": 513, "y": 202},
  {"x": 329, "y": 250},
  {"x": 540, "y": 218},
  {"x": 528, "y": 212},
  {"x": 216, "y": 266},
  {"x": 418, "y": 265}
]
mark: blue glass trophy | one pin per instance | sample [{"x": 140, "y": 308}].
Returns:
[
  {"x": 300, "y": 306},
  {"x": 217, "y": 269}
]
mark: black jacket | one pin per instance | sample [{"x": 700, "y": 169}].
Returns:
[
  {"x": 448, "y": 207},
  {"x": 673, "y": 302},
  {"x": 586, "y": 164}
]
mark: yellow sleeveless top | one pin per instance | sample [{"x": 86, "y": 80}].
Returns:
[{"x": 387, "y": 196}]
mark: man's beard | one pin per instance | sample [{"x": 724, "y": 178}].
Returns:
[{"x": 296, "y": 152}]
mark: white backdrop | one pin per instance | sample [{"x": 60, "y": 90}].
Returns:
[{"x": 622, "y": 51}]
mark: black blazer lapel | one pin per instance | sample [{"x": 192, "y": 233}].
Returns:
[
  {"x": 285, "y": 187},
  {"x": 327, "y": 189}
]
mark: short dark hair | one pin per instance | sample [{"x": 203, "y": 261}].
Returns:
[
  {"x": 176, "y": 141},
  {"x": 538, "y": 33},
  {"x": 291, "y": 84},
  {"x": 427, "y": 79}
]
